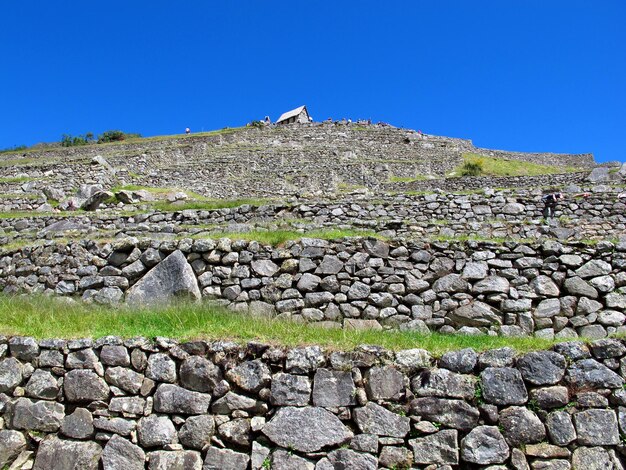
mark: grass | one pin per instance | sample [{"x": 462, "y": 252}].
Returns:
[
  {"x": 44, "y": 317},
  {"x": 16, "y": 179},
  {"x": 503, "y": 167},
  {"x": 278, "y": 237},
  {"x": 205, "y": 204},
  {"x": 402, "y": 179}
]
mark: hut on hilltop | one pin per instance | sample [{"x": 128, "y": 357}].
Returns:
[{"x": 299, "y": 115}]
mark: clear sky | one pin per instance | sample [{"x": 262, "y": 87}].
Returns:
[{"x": 531, "y": 75}]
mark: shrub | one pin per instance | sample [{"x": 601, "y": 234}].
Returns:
[
  {"x": 15, "y": 148},
  {"x": 111, "y": 136},
  {"x": 68, "y": 140},
  {"x": 471, "y": 169}
]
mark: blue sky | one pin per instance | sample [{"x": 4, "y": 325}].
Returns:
[{"x": 532, "y": 75}]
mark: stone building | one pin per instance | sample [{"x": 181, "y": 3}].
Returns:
[{"x": 299, "y": 115}]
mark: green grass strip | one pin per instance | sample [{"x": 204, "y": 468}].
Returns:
[
  {"x": 43, "y": 317},
  {"x": 502, "y": 167}
]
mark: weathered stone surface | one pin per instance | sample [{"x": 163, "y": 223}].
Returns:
[
  {"x": 542, "y": 367},
  {"x": 32, "y": 415},
  {"x": 233, "y": 401},
  {"x": 333, "y": 388},
  {"x": 264, "y": 267},
  {"x": 10, "y": 374},
  {"x": 42, "y": 384},
  {"x": 477, "y": 314},
  {"x": 358, "y": 291},
  {"x": 445, "y": 384},
  {"x": 439, "y": 448},
  {"x": 304, "y": 360},
  {"x": 289, "y": 389},
  {"x": 410, "y": 361},
  {"x": 492, "y": 285},
  {"x": 171, "y": 278},
  {"x": 451, "y": 283},
  {"x": 82, "y": 385},
  {"x": 597, "y": 427},
  {"x": 384, "y": 383},
  {"x": 24, "y": 348},
  {"x": 588, "y": 373},
  {"x": 225, "y": 459},
  {"x": 154, "y": 431},
  {"x": 306, "y": 429},
  {"x": 199, "y": 374},
  {"x": 121, "y": 454},
  {"x": 283, "y": 460},
  {"x": 594, "y": 268},
  {"x": 121, "y": 426},
  {"x": 591, "y": 458},
  {"x": 78, "y": 425},
  {"x": 456, "y": 414},
  {"x": 12, "y": 443},
  {"x": 484, "y": 445},
  {"x": 175, "y": 460},
  {"x": 161, "y": 368},
  {"x": 521, "y": 426},
  {"x": 503, "y": 386},
  {"x": 58, "y": 454},
  {"x": 251, "y": 376},
  {"x": 560, "y": 428},
  {"x": 346, "y": 458},
  {"x": 543, "y": 285},
  {"x": 124, "y": 378},
  {"x": 550, "y": 397},
  {"x": 197, "y": 431},
  {"x": 375, "y": 419},
  {"x": 462, "y": 361},
  {"x": 171, "y": 398},
  {"x": 395, "y": 457}
]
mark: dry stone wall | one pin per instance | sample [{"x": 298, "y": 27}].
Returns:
[
  {"x": 120, "y": 404},
  {"x": 544, "y": 289}
]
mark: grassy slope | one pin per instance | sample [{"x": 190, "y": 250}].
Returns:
[
  {"x": 47, "y": 318},
  {"x": 502, "y": 167}
]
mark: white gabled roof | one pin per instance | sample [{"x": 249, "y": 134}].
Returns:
[{"x": 292, "y": 113}]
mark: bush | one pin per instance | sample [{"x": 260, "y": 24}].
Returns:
[
  {"x": 68, "y": 140},
  {"x": 15, "y": 148},
  {"x": 471, "y": 169},
  {"x": 115, "y": 136}
]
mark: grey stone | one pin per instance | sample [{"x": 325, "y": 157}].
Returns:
[
  {"x": 376, "y": 248},
  {"x": 171, "y": 398},
  {"x": 560, "y": 428},
  {"x": 283, "y": 460},
  {"x": 32, "y": 415},
  {"x": 547, "y": 308},
  {"x": 333, "y": 388},
  {"x": 456, "y": 414},
  {"x": 250, "y": 376},
  {"x": 591, "y": 458},
  {"x": 503, "y": 386},
  {"x": 225, "y": 459},
  {"x": 375, "y": 419},
  {"x": 500, "y": 357},
  {"x": 451, "y": 283},
  {"x": 78, "y": 425},
  {"x": 590, "y": 374},
  {"x": 365, "y": 443},
  {"x": 128, "y": 405},
  {"x": 171, "y": 278},
  {"x": 492, "y": 285},
  {"x": 484, "y": 445},
  {"x": 542, "y": 367},
  {"x": 175, "y": 460},
  {"x": 330, "y": 265},
  {"x": 521, "y": 426},
  {"x": 199, "y": 374},
  {"x": 82, "y": 359},
  {"x": 24, "y": 348},
  {"x": 288, "y": 389},
  {"x": 233, "y": 401},
  {"x": 114, "y": 355},
  {"x": 463, "y": 360},
  {"x": 10, "y": 374},
  {"x": 358, "y": 291},
  {"x": 57, "y": 454},
  {"x": 121, "y": 426},
  {"x": 439, "y": 448},
  {"x": 607, "y": 348},
  {"x": 197, "y": 431},
  {"x": 12, "y": 443},
  {"x": 81, "y": 385},
  {"x": 308, "y": 282},
  {"x": 384, "y": 383},
  {"x": 594, "y": 268},
  {"x": 161, "y": 368},
  {"x": 410, "y": 361},
  {"x": 307, "y": 429},
  {"x": 264, "y": 267},
  {"x": 543, "y": 285},
  {"x": 259, "y": 456},
  {"x": 346, "y": 458},
  {"x": 550, "y": 397},
  {"x": 443, "y": 383},
  {"x": 395, "y": 457},
  {"x": 597, "y": 427},
  {"x": 304, "y": 359},
  {"x": 577, "y": 286},
  {"x": 476, "y": 313},
  {"x": 155, "y": 431},
  {"x": 124, "y": 378},
  {"x": 475, "y": 270},
  {"x": 121, "y": 454}
]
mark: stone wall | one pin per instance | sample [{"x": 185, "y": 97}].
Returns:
[
  {"x": 547, "y": 290},
  {"x": 125, "y": 404},
  {"x": 259, "y": 162}
]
